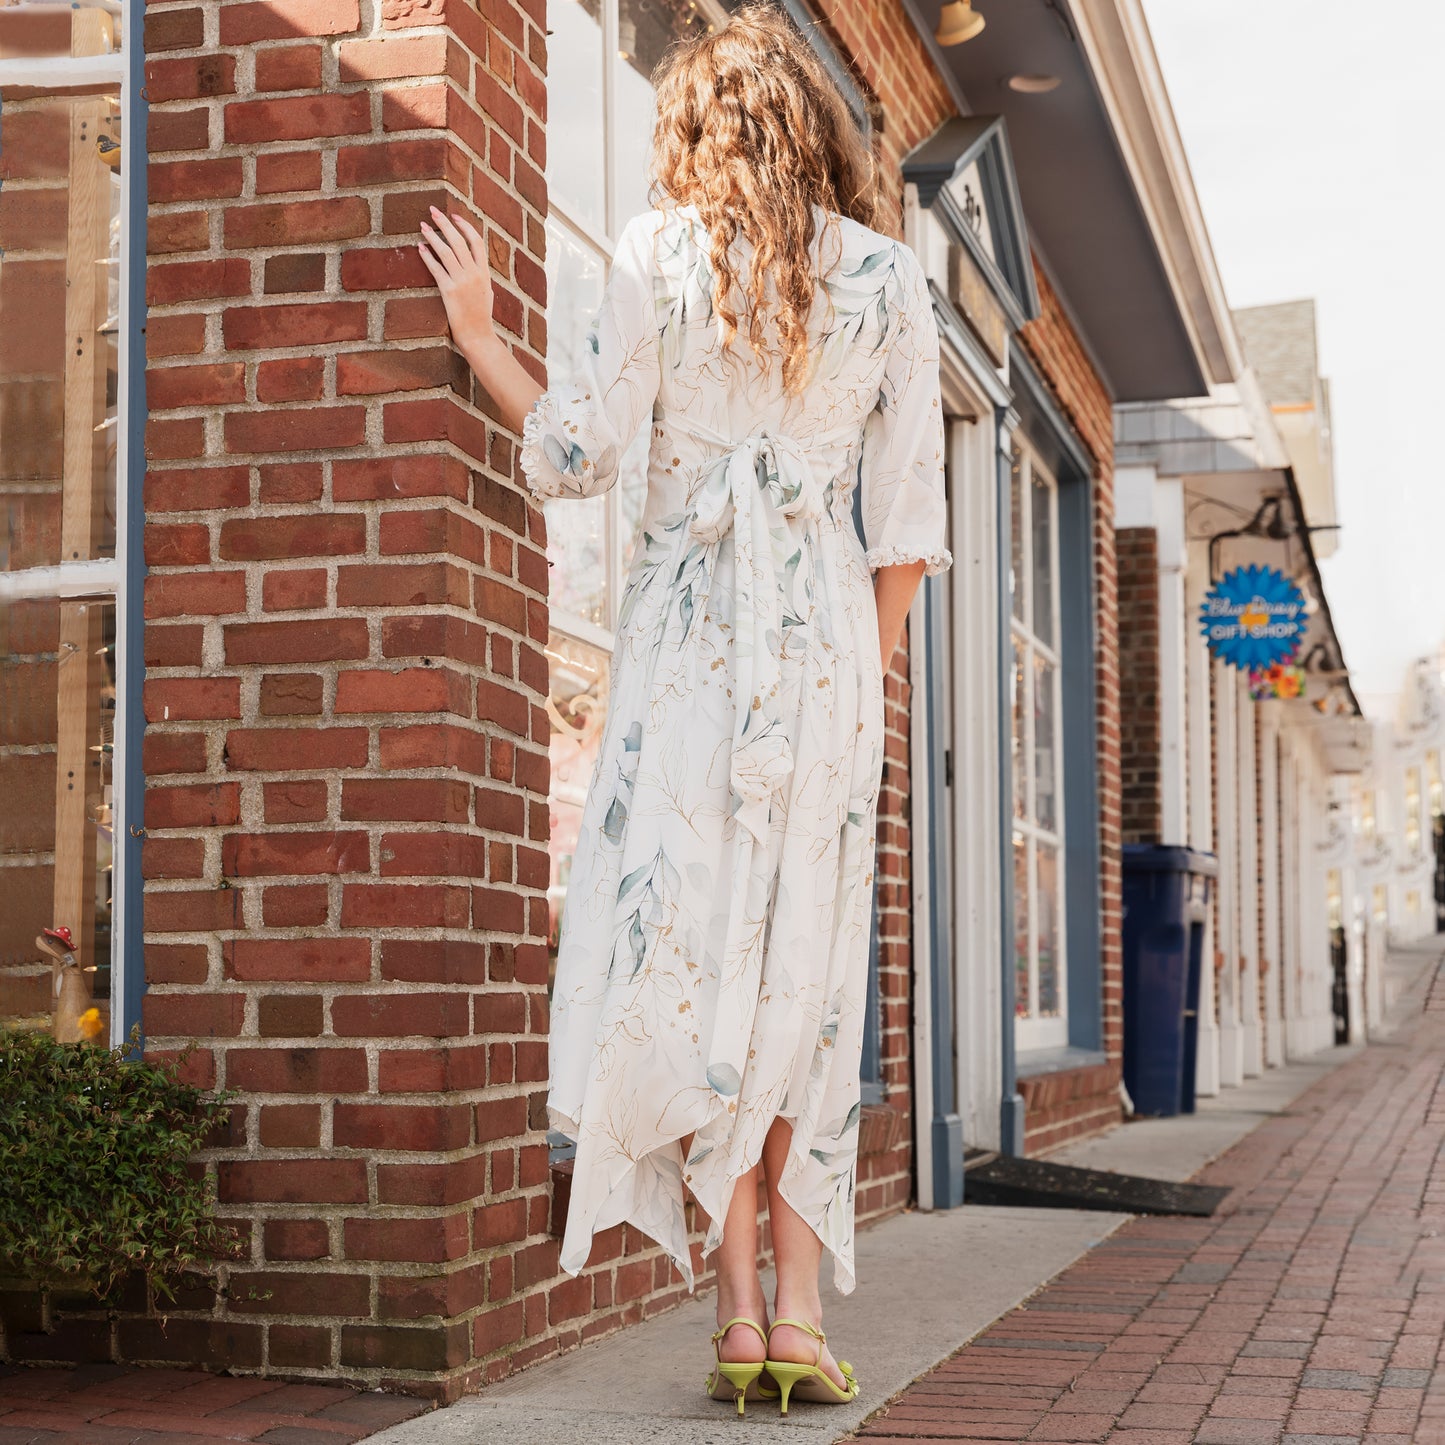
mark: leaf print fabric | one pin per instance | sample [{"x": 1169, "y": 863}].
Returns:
[{"x": 713, "y": 946}]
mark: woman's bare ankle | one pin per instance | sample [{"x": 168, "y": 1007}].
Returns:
[
  {"x": 744, "y": 1299},
  {"x": 799, "y": 1307}
]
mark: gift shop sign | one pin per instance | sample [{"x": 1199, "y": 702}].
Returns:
[{"x": 1253, "y": 618}]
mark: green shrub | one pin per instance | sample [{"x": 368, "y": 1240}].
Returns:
[{"x": 94, "y": 1183}]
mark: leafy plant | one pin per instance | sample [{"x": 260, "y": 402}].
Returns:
[{"x": 95, "y": 1180}]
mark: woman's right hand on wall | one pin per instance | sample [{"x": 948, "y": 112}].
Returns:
[{"x": 456, "y": 255}]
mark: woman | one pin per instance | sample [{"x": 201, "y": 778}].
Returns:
[{"x": 707, "y": 1015}]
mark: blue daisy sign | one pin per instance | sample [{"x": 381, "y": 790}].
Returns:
[{"x": 1253, "y": 618}]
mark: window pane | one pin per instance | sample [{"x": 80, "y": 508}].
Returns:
[
  {"x": 1041, "y": 516},
  {"x": 60, "y": 193},
  {"x": 1046, "y": 921},
  {"x": 577, "y": 705},
  {"x": 576, "y": 529},
  {"x": 576, "y": 174},
  {"x": 45, "y": 32},
  {"x": 1018, "y": 742},
  {"x": 57, "y": 727},
  {"x": 1016, "y": 512},
  {"x": 1023, "y": 986},
  {"x": 1046, "y": 812},
  {"x": 645, "y": 30}
]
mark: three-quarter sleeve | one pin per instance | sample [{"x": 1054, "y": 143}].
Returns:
[
  {"x": 905, "y": 511},
  {"x": 574, "y": 435}
]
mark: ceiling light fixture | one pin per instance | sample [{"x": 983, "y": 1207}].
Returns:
[
  {"x": 958, "y": 21},
  {"x": 1033, "y": 84}
]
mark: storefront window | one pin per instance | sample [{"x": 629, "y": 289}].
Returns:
[
  {"x": 1365, "y": 818},
  {"x": 1414, "y": 811},
  {"x": 1038, "y": 762},
  {"x": 63, "y": 332}
]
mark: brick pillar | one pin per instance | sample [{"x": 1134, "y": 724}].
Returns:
[
  {"x": 346, "y": 752},
  {"x": 1140, "y": 741}
]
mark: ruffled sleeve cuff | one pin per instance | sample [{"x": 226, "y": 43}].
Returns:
[
  {"x": 540, "y": 469},
  {"x": 892, "y": 554}
]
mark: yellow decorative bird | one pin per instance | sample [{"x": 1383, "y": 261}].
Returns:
[{"x": 109, "y": 150}]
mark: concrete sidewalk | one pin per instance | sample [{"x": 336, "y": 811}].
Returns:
[{"x": 929, "y": 1283}]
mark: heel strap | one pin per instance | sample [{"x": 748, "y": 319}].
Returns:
[
  {"x": 807, "y": 1328},
  {"x": 738, "y": 1320}
]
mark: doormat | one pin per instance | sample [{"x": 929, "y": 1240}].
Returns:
[{"x": 1036, "y": 1183}]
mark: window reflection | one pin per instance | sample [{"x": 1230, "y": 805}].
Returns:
[
  {"x": 1018, "y": 740},
  {"x": 645, "y": 30},
  {"x": 576, "y": 528},
  {"x": 576, "y": 173},
  {"x": 1037, "y": 754},
  {"x": 1046, "y": 923},
  {"x": 1041, "y": 516},
  {"x": 61, "y": 169},
  {"x": 59, "y": 274},
  {"x": 1045, "y": 744},
  {"x": 1016, "y": 531},
  {"x": 1023, "y": 911},
  {"x": 57, "y": 733},
  {"x": 577, "y": 707}
]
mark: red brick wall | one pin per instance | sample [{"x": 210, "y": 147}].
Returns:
[
  {"x": 1056, "y": 349},
  {"x": 1140, "y": 743},
  {"x": 346, "y": 752}
]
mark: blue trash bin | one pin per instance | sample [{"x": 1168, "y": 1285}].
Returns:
[{"x": 1166, "y": 891}]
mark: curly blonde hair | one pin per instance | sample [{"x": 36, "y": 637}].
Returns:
[{"x": 753, "y": 132}]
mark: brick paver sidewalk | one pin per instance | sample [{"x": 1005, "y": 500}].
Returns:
[
  {"x": 1309, "y": 1310},
  {"x": 118, "y": 1405}
]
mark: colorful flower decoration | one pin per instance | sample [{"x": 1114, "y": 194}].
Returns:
[
  {"x": 1254, "y": 618},
  {"x": 1283, "y": 680}
]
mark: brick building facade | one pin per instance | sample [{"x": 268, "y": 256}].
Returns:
[{"x": 344, "y": 868}]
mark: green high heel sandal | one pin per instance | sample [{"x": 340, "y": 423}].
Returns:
[
  {"x": 737, "y": 1379},
  {"x": 810, "y": 1382}
]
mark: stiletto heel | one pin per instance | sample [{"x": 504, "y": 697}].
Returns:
[
  {"x": 811, "y": 1382},
  {"x": 736, "y": 1380}
]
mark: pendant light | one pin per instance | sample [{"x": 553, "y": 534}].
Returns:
[{"x": 958, "y": 21}]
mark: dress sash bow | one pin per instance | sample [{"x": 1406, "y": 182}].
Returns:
[{"x": 763, "y": 489}]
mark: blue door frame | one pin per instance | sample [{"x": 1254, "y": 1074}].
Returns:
[{"x": 946, "y": 1125}]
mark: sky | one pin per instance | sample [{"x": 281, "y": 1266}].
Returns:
[{"x": 1315, "y": 136}]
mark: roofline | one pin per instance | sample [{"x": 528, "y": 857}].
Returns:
[
  {"x": 1114, "y": 37},
  {"x": 1297, "y": 502}
]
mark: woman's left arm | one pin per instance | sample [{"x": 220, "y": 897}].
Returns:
[{"x": 894, "y": 588}]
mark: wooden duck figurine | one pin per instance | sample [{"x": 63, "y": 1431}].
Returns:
[{"x": 74, "y": 1020}]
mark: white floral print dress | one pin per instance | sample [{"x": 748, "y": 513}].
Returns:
[{"x": 713, "y": 947}]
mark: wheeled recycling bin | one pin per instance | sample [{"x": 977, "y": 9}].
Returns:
[{"x": 1166, "y": 892}]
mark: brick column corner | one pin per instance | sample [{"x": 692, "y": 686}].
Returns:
[{"x": 346, "y": 755}]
